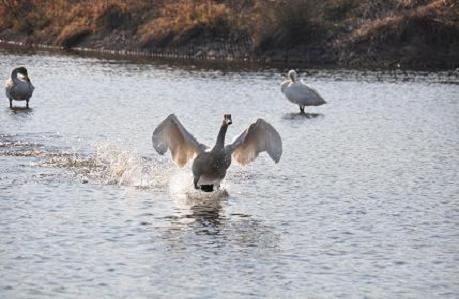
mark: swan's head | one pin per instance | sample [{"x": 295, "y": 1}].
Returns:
[
  {"x": 292, "y": 75},
  {"x": 227, "y": 119},
  {"x": 23, "y": 71}
]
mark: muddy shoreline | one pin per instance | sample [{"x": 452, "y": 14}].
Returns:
[{"x": 281, "y": 60}]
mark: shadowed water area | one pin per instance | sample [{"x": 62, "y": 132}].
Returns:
[{"x": 363, "y": 203}]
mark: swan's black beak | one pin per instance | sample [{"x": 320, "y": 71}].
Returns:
[{"x": 228, "y": 119}]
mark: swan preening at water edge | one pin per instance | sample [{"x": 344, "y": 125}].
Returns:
[
  {"x": 209, "y": 167},
  {"x": 299, "y": 93},
  {"x": 19, "y": 89}
]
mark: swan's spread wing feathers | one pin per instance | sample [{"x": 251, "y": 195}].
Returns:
[
  {"x": 301, "y": 94},
  {"x": 259, "y": 137},
  {"x": 172, "y": 135}
]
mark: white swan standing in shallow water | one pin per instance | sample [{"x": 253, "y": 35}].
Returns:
[
  {"x": 299, "y": 93},
  {"x": 209, "y": 167},
  {"x": 19, "y": 89}
]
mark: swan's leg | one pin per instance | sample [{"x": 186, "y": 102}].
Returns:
[
  {"x": 302, "y": 109},
  {"x": 195, "y": 181},
  {"x": 11, "y": 103},
  {"x": 27, "y": 104}
]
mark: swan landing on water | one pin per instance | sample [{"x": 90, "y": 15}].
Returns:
[
  {"x": 299, "y": 93},
  {"x": 209, "y": 167},
  {"x": 19, "y": 89}
]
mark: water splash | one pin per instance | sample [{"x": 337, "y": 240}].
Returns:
[
  {"x": 182, "y": 190},
  {"x": 108, "y": 164},
  {"x": 128, "y": 168},
  {"x": 111, "y": 165}
]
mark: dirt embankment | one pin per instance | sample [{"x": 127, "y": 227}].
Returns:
[{"x": 355, "y": 33}]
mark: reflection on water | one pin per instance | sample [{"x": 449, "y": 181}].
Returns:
[
  {"x": 205, "y": 213},
  {"x": 19, "y": 113},
  {"x": 18, "y": 109},
  {"x": 300, "y": 115},
  {"x": 238, "y": 231},
  {"x": 362, "y": 203}
]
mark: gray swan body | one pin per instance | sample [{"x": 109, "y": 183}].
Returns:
[
  {"x": 19, "y": 89},
  {"x": 210, "y": 166},
  {"x": 299, "y": 93}
]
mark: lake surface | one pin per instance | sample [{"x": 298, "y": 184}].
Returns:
[{"x": 364, "y": 202}]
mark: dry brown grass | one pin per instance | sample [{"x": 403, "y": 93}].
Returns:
[
  {"x": 395, "y": 24},
  {"x": 72, "y": 33},
  {"x": 262, "y": 25},
  {"x": 61, "y": 20},
  {"x": 181, "y": 16}
]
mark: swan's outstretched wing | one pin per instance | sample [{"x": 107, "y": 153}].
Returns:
[
  {"x": 172, "y": 135},
  {"x": 301, "y": 94},
  {"x": 259, "y": 137}
]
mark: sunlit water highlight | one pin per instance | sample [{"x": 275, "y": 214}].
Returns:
[{"x": 364, "y": 202}]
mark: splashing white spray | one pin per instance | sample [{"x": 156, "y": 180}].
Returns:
[
  {"x": 129, "y": 168},
  {"x": 181, "y": 189}
]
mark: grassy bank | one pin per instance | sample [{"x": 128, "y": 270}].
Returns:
[{"x": 410, "y": 33}]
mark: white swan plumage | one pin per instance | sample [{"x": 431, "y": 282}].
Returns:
[{"x": 299, "y": 93}]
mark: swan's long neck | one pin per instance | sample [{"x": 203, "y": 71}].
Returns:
[
  {"x": 220, "y": 144},
  {"x": 14, "y": 76}
]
